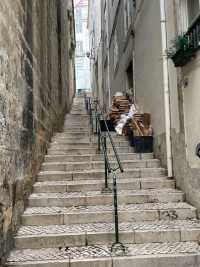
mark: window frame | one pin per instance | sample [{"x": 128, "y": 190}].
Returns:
[
  {"x": 183, "y": 16},
  {"x": 190, "y": 23}
]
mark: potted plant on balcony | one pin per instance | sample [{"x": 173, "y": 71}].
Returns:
[{"x": 181, "y": 51}]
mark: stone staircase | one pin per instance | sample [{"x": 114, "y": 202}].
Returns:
[{"x": 69, "y": 221}]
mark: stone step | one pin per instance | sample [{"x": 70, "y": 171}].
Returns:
[
  {"x": 70, "y": 134},
  {"x": 95, "y": 214},
  {"x": 98, "y": 198},
  {"x": 73, "y": 166},
  {"x": 95, "y": 185},
  {"x": 85, "y": 143},
  {"x": 80, "y": 145},
  {"x": 85, "y": 150},
  {"x": 60, "y": 141},
  {"x": 84, "y": 138},
  {"x": 76, "y": 129},
  {"x": 166, "y": 254},
  {"x": 77, "y": 118},
  {"x": 88, "y": 158},
  {"x": 54, "y": 236},
  {"x": 100, "y": 174},
  {"x": 78, "y": 113},
  {"x": 70, "y": 124}
]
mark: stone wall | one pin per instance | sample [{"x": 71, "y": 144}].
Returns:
[{"x": 36, "y": 90}]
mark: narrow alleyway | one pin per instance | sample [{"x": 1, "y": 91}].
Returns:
[{"x": 69, "y": 221}]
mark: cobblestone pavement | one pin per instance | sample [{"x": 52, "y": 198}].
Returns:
[
  {"x": 96, "y": 193},
  {"x": 77, "y": 209},
  {"x": 108, "y": 227},
  {"x": 102, "y": 251}
]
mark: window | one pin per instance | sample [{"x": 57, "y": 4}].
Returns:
[
  {"x": 188, "y": 10},
  {"x": 193, "y": 10},
  {"x": 129, "y": 10}
]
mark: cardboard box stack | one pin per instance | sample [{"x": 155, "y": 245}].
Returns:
[{"x": 120, "y": 106}]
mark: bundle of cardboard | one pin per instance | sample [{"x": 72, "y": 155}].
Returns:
[
  {"x": 141, "y": 124},
  {"x": 120, "y": 106},
  {"x": 126, "y": 117}
]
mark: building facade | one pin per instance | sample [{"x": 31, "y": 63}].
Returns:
[
  {"x": 138, "y": 39},
  {"x": 112, "y": 48},
  {"x": 36, "y": 89},
  {"x": 82, "y": 45}
]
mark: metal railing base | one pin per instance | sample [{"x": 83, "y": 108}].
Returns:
[{"x": 118, "y": 249}]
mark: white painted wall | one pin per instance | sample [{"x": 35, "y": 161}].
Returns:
[
  {"x": 148, "y": 64},
  {"x": 191, "y": 98}
]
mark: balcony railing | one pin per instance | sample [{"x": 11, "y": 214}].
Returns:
[{"x": 185, "y": 46}]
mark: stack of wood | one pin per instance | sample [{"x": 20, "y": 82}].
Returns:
[
  {"x": 120, "y": 106},
  {"x": 141, "y": 124}
]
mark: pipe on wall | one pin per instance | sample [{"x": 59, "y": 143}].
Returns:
[{"x": 166, "y": 88}]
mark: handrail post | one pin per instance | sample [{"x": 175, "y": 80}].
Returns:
[
  {"x": 96, "y": 116},
  {"x": 116, "y": 210},
  {"x": 106, "y": 167},
  {"x": 106, "y": 188},
  {"x": 117, "y": 247},
  {"x": 91, "y": 117},
  {"x": 98, "y": 131}
]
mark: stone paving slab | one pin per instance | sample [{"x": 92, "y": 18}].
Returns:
[
  {"x": 89, "y": 185},
  {"x": 96, "y": 157},
  {"x": 109, "y": 227},
  {"x": 94, "y": 214},
  {"x": 100, "y": 174},
  {"x": 97, "y": 198},
  {"x": 86, "y": 150},
  {"x": 103, "y": 233},
  {"x": 99, "y": 208},
  {"x": 65, "y": 166}
]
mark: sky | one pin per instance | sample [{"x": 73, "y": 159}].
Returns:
[{"x": 77, "y": 2}]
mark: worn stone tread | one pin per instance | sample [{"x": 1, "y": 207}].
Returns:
[
  {"x": 96, "y": 193},
  {"x": 159, "y": 225},
  {"x": 100, "y": 208},
  {"x": 93, "y": 181},
  {"x": 90, "y": 252},
  {"x": 100, "y": 170}
]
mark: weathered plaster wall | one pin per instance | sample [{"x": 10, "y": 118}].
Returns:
[
  {"x": 186, "y": 163},
  {"x": 185, "y": 118},
  {"x": 34, "y": 96},
  {"x": 148, "y": 64}
]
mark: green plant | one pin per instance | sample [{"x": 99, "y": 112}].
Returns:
[{"x": 180, "y": 43}]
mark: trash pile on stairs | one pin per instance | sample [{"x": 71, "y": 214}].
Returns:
[
  {"x": 69, "y": 221},
  {"x": 123, "y": 114}
]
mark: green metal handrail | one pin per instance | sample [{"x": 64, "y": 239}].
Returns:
[
  {"x": 98, "y": 115},
  {"x": 117, "y": 246}
]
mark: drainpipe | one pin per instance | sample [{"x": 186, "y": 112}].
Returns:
[{"x": 166, "y": 88}]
